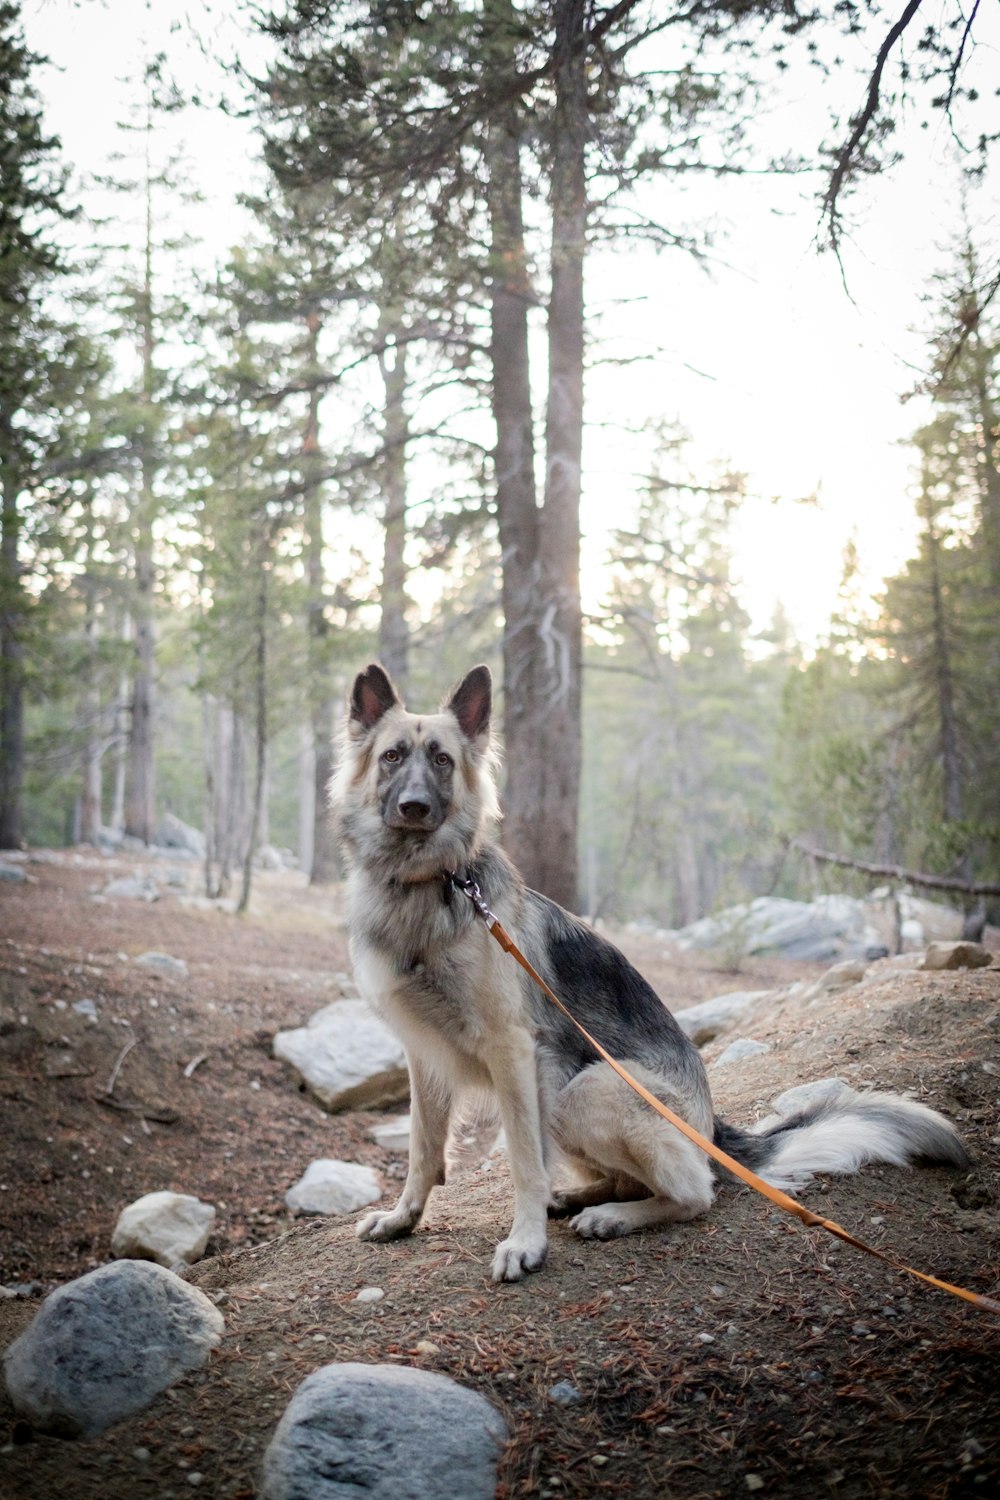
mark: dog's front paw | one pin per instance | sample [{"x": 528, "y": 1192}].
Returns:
[
  {"x": 386, "y": 1225},
  {"x": 604, "y": 1222},
  {"x": 514, "y": 1258}
]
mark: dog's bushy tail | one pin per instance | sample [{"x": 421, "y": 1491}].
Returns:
[{"x": 840, "y": 1135}]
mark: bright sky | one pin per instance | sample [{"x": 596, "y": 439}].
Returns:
[{"x": 766, "y": 362}]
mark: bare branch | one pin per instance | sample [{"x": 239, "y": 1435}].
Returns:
[
  {"x": 897, "y": 872},
  {"x": 845, "y": 159}
]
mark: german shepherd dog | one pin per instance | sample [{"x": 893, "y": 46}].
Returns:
[{"x": 416, "y": 800}]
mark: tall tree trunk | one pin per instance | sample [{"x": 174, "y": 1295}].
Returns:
[
  {"x": 516, "y": 495},
  {"x": 140, "y": 800},
  {"x": 140, "y": 812},
  {"x": 394, "y": 630},
  {"x": 322, "y": 864},
  {"x": 306, "y": 798},
  {"x": 90, "y": 796},
  {"x": 560, "y": 630},
  {"x": 260, "y": 734},
  {"x": 12, "y": 609},
  {"x": 209, "y": 735},
  {"x": 948, "y": 737},
  {"x": 121, "y": 736},
  {"x": 540, "y": 548}
]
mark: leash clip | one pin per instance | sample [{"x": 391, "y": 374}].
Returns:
[{"x": 470, "y": 888}]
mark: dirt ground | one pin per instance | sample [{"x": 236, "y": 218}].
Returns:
[{"x": 741, "y": 1354}]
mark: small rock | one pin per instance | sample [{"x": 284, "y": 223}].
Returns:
[
  {"x": 13, "y": 874},
  {"x": 753, "y": 1482},
  {"x": 808, "y": 1095},
  {"x": 840, "y": 977},
  {"x": 564, "y": 1393},
  {"x": 165, "y": 1227},
  {"x": 970, "y": 1450},
  {"x": 393, "y": 1135},
  {"x": 132, "y": 888},
  {"x": 742, "y": 1048},
  {"x": 163, "y": 963},
  {"x": 971, "y": 1193},
  {"x": 370, "y": 1294},
  {"x": 347, "y": 1056},
  {"x": 427, "y": 1347},
  {"x": 956, "y": 956},
  {"x": 333, "y": 1187},
  {"x": 86, "y": 1008}
]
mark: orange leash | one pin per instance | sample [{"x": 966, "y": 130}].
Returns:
[{"x": 774, "y": 1195}]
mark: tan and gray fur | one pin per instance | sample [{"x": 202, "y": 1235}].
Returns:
[{"x": 415, "y": 798}]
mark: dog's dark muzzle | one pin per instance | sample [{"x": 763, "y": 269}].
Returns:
[{"x": 416, "y": 806}]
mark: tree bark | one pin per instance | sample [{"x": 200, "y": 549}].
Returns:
[
  {"x": 323, "y": 867},
  {"x": 140, "y": 810},
  {"x": 560, "y": 629},
  {"x": 948, "y": 736},
  {"x": 394, "y": 630},
  {"x": 260, "y": 734},
  {"x": 90, "y": 796},
  {"x": 540, "y": 547},
  {"x": 12, "y": 610},
  {"x": 516, "y": 497}
]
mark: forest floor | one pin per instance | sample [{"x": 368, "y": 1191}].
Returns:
[{"x": 739, "y": 1354}]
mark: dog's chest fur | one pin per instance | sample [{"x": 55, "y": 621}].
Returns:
[{"x": 433, "y": 972}]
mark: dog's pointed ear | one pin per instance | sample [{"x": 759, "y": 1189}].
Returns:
[
  {"x": 472, "y": 705},
  {"x": 372, "y": 695}
]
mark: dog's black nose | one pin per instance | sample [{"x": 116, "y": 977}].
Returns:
[{"x": 415, "y": 810}]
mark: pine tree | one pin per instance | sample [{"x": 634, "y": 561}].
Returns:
[
  {"x": 447, "y": 110},
  {"x": 38, "y": 363}
]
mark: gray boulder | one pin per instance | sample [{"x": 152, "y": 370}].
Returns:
[
  {"x": 132, "y": 888},
  {"x": 354, "y": 1429},
  {"x": 705, "y": 1020},
  {"x": 104, "y": 1346},
  {"x": 825, "y": 930},
  {"x": 173, "y": 833},
  {"x": 347, "y": 1056}
]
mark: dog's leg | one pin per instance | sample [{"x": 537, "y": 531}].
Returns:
[
  {"x": 430, "y": 1107},
  {"x": 598, "y": 1117},
  {"x": 607, "y": 1221},
  {"x": 513, "y": 1069},
  {"x": 569, "y": 1201}
]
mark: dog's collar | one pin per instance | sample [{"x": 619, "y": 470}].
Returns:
[{"x": 450, "y": 881}]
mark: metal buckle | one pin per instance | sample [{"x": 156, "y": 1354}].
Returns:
[{"x": 470, "y": 888}]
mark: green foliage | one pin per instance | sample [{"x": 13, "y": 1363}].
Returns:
[{"x": 679, "y": 716}]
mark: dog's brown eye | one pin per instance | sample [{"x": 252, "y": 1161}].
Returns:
[
  {"x": 392, "y": 756},
  {"x": 442, "y": 759}
]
